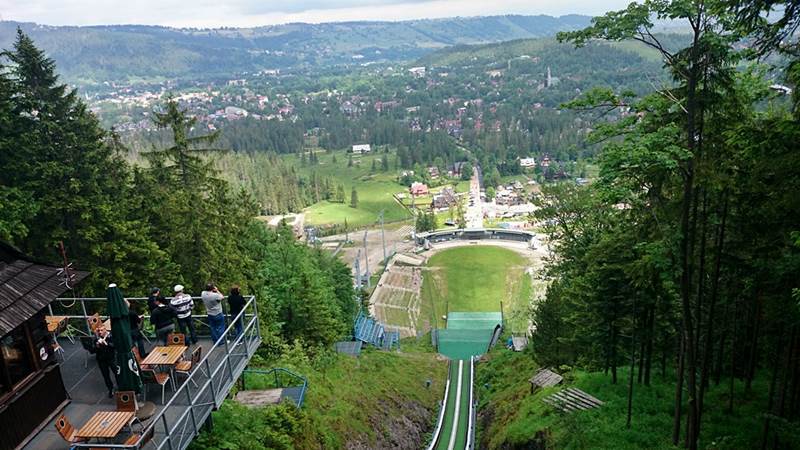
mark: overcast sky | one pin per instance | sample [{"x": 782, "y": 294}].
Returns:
[{"x": 244, "y": 13}]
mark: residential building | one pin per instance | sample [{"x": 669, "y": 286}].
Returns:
[
  {"x": 418, "y": 189},
  {"x": 444, "y": 199},
  {"x": 359, "y": 149},
  {"x": 527, "y": 163}
]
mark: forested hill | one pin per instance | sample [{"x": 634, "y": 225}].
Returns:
[
  {"x": 520, "y": 49},
  {"x": 124, "y": 52}
]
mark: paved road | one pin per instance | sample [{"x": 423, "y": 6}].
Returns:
[{"x": 474, "y": 212}]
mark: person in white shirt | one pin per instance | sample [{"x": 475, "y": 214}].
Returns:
[{"x": 183, "y": 304}]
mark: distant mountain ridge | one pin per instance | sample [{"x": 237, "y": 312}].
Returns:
[{"x": 93, "y": 54}]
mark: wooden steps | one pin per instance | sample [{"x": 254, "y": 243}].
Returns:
[{"x": 572, "y": 399}]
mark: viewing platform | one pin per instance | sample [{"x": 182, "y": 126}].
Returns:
[{"x": 186, "y": 408}]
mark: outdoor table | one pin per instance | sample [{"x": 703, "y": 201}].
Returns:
[
  {"x": 106, "y": 424},
  {"x": 166, "y": 356}
]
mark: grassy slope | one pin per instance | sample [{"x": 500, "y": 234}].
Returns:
[
  {"x": 375, "y": 190},
  {"x": 350, "y": 401},
  {"x": 474, "y": 279},
  {"x": 511, "y": 418},
  {"x": 372, "y": 401}
]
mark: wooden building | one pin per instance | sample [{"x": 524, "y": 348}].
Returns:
[{"x": 31, "y": 387}]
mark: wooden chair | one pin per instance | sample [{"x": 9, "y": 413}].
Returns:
[
  {"x": 94, "y": 321},
  {"x": 139, "y": 359},
  {"x": 150, "y": 376},
  {"x": 185, "y": 367},
  {"x": 146, "y": 436},
  {"x": 176, "y": 339},
  {"x": 126, "y": 401},
  {"x": 66, "y": 430}
]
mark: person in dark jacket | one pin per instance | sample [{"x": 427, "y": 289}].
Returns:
[
  {"x": 155, "y": 294},
  {"x": 162, "y": 317},
  {"x": 136, "y": 329},
  {"x": 236, "y": 303},
  {"x": 104, "y": 352}
]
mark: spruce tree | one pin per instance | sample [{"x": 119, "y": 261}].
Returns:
[{"x": 353, "y": 198}]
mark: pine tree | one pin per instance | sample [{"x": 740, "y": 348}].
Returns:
[
  {"x": 70, "y": 176},
  {"x": 350, "y": 161},
  {"x": 353, "y": 198}
]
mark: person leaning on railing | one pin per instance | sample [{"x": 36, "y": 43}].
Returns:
[
  {"x": 212, "y": 298},
  {"x": 236, "y": 303},
  {"x": 183, "y": 304},
  {"x": 162, "y": 318}
]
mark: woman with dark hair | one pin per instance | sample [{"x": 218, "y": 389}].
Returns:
[{"x": 236, "y": 302}]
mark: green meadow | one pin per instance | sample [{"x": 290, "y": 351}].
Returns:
[{"x": 375, "y": 189}]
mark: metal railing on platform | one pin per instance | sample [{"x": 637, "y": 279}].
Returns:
[{"x": 180, "y": 420}]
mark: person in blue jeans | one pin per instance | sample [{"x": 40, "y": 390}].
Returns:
[{"x": 212, "y": 298}]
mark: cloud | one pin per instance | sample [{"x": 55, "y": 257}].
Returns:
[{"x": 245, "y": 13}]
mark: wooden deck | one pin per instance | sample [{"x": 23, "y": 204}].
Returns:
[{"x": 88, "y": 395}]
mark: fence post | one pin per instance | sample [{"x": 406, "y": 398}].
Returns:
[
  {"x": 167, "y": 433},
  {"x": 85, "y": 315},
  {"x": 211, "y": 380},
  {"x": 191, "y": 410},
  {"x": 228, "y": 358}
]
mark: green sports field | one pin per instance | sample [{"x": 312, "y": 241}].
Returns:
[{"x": 476, "y": 279}]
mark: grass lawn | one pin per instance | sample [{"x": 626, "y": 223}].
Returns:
[
  {"x": 474, "y": 279},
  {"x": 375, "y": 190},
  {"x": 517, "y": 416},
  {"x": 364, "y": 402}
]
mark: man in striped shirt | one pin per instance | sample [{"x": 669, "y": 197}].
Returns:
[{"x": 183, "y": 304}]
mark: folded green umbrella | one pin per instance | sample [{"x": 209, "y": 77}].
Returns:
[{"x": 127, "y": 368}]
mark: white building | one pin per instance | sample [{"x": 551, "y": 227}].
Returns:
[
  {"x": 418, "y": 72},
  {"x": 361, "y": 148},
  {"x": 527, "y": 163}
]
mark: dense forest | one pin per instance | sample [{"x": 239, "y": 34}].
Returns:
[
  {"x": 683, "y": 259},
  {"x": 64, "y": 179},
  {"x": 96, "y": 54}
]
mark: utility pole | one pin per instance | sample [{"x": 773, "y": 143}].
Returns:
[
  {"x": 357, "y": 266},
  {"x": 366, "y": 259},
  {"x": 383, "y": 237}
]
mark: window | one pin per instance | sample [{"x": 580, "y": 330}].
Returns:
[{"x": 16, "y": 355}]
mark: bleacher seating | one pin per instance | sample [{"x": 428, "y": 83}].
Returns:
[{"x": 372, "y": 332}]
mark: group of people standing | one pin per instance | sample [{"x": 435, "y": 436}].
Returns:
[{"x": 164, "y": 314}]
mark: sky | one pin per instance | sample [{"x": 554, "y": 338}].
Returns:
[{"x": 246, "y": 13}]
